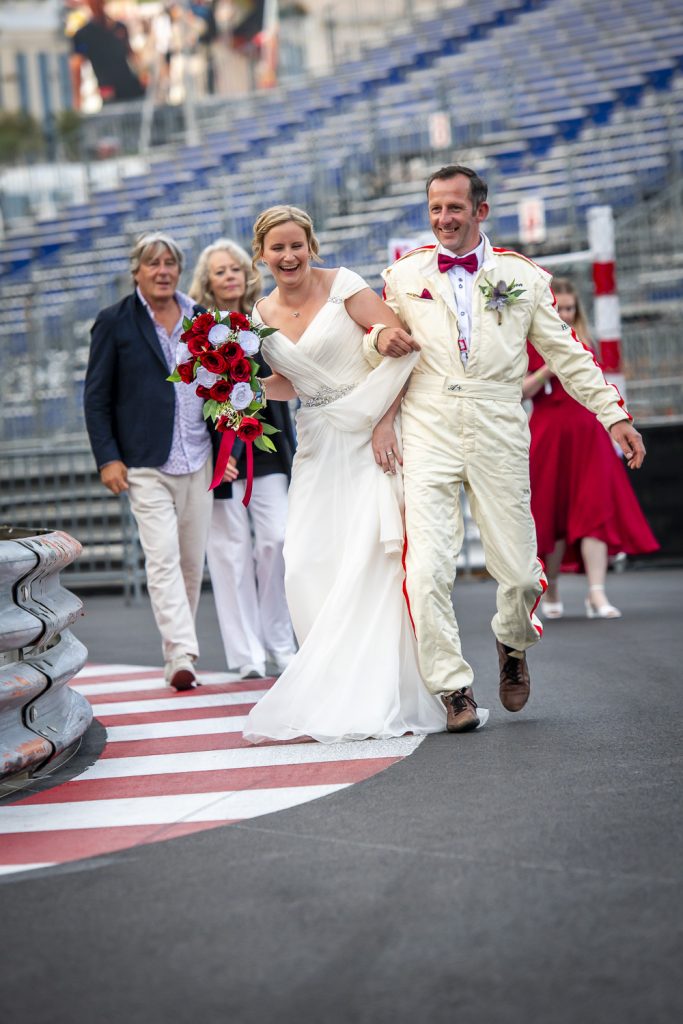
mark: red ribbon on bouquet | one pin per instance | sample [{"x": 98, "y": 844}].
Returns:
[
  {"x": 224, "y": 451},
  {"x": 250, "y": 472}
]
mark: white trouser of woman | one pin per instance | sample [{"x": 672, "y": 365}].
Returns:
[
  {"x": 247, "y": 575},
  {"x": 173, "y": 513}
]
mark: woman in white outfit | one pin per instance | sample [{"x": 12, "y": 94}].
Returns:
[
  {"x": 245, "y": 544},
  {"x": 355, "y": 675}
]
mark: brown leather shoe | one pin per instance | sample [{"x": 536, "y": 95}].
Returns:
[
  {"x": 180, "y": 673},
  {"x": 462, "y": 710},
  {"x": 515, "y": 683}
]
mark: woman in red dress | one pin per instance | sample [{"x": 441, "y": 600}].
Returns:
[{"x": 581, "y": 499}]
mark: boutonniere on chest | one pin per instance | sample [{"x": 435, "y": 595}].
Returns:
[{"x": 500, "y": 295}]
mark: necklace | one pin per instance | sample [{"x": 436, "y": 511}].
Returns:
[{"x": 295, "y": 313}]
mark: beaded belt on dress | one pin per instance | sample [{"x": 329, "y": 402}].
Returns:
[{"x": 327, "y": 395}]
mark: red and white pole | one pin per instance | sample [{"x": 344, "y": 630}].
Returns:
[{"x": 606, "y": 312}]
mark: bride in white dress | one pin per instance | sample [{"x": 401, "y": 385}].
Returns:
[{"x": 355, "y": 675}]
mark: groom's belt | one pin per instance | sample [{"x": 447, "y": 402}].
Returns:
[{"x": 464, "y": 387}]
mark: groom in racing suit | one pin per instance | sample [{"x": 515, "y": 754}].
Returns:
[{"x": 470, "y": 309}]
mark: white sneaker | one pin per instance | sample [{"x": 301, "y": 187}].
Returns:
[
  {"x": 252, "y": 671},
  {"x": 281, "y": 659},
  {"x": 180, "y": 672}
]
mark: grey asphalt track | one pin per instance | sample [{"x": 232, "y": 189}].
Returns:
[{"x": 525, "y": 874}]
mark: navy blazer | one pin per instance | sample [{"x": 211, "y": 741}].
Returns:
[{"x": 129, "y": 405}]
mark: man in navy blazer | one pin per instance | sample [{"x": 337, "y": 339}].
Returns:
[{"x": 149, "y": 439}]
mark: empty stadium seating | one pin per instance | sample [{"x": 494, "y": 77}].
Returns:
[{"x": 576, "y": 102}]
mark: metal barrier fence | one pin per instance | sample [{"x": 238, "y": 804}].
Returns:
[
  {"x": 41, "y": 718},
  {"x": 58, "y": 485},
  {"x": 357, "y": 203},
  {"x": 651, "y": 332},
  {"x": 650, "y": 281},
  {"x": 43, "y": 365}
]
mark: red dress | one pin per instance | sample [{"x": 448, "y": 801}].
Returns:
[{"x": 579, "y": 485}]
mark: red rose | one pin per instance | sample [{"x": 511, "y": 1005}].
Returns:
[
  {"x": 231, "y": 350},
  {"x": 249, "y": 429},
  {"x": 240, "y": 369},
  {"x": 220, "y": 392},
  {"x": 203, "y": 391},
  {"x": 197, "y": 336},
  {"x": 203, "y": 323},
  {"x": 239, "y": 322},
  {"x": 223, "y": 424},
  {"x": 213, "y": 361},
  {"x": 198, "y": 343},
  {"x": 186, "y": 371}
]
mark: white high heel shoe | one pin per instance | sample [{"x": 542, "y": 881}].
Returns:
[
  {"x": 605, "y": 611},
  {"x": 551, "y": 609}
]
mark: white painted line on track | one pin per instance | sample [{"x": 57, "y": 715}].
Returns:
[
  {"x": 190, "y": 699},
  {"x": 130, "y": 686},
  {"x": 8, "y": 869},
  {"x": 133, "y": 684},
  {"x": 114, "y": 670},
  {"x": 248, "y": 757},
  {"x": 163, "y": 730},
  {"x": 158, "y": 810}
]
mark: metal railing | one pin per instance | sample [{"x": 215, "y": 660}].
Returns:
[
  {"x": 57, "y": 486},
  {"x": 352, "y": 189},
  {"x": 650, "y": 281}
]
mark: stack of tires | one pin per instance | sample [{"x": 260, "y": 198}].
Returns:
[{"x": 41, "y": 717}]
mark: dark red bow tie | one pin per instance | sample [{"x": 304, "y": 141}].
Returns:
[{"x": 469, "y": 263}]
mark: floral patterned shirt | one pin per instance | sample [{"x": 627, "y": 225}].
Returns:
[{"x": 191, "y": 444}]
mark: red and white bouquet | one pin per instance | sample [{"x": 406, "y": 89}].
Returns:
[{"x": 216, "y": 355}]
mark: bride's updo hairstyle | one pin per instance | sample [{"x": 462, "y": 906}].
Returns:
[{"x": 273, "y": 217}]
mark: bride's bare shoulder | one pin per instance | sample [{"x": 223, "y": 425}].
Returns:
[
  {"x": 265, "y": 306},
  {"x": 327, "y": 275}
]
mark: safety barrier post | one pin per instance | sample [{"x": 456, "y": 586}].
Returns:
[
  {"x": 606, "y": 309},
  {"x": 41, "y": 718}
]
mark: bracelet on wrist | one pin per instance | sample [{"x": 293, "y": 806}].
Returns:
[{"x": 376, "y": 329}]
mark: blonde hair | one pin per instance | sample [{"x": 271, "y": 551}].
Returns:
[
  {"x": 273, "y": 217},
  {"x": 148, "y": 245},
  {"x": 200, "y": 289},
  {"x": 563, "y": 286}
]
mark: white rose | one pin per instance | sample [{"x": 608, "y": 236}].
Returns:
[
  {"x": 249, "y": 342},
  {"x": 182, "y": 353},
  {"x": 241, "y": 396},
  {"x": 219, "y": 333},
  {"x": 206, "y": 378}
]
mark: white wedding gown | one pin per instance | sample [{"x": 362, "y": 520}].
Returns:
[{"x": 355, "y": 675}]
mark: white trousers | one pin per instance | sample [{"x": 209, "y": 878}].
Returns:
[
  {"x": 476, "y": 436},
  {"x": 247, "y": 575},
  {"x": 173, "y": 514}
]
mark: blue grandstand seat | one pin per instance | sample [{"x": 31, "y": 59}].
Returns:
[
  {"x": 18, "y": 262},
  {"x": 530, "y": 109}
]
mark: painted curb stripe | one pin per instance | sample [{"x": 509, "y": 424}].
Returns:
[
  {"x": 157, "y": 810},
  {"x": 233, "y": 779},
  {"x": 175, "y": 764},
  {"x": 201, "y": 700},
  {"x": 60, "y": 846}
]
